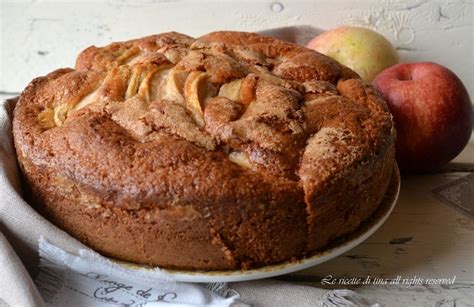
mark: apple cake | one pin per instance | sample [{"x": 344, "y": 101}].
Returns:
[{"x": 230, "y": 151}]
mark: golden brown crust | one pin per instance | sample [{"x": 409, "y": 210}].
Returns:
[{"x": 232, "y": 150}]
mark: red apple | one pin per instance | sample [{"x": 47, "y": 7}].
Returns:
[{"x": 432, "y": 112}]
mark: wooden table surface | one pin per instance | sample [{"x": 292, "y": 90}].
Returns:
[{"x": 423, "y": 237}]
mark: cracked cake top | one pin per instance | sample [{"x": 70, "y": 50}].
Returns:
[{"x": 163, "y": 120}]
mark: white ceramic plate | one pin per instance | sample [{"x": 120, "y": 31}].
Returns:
[{"x": 338, "y": 248}]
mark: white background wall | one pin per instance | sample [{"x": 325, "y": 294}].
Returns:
[{"x": 38, "y": 36}]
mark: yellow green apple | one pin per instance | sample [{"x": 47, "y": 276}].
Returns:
[{"x": 363, "y": 50}]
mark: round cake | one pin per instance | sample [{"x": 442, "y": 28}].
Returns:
[{"x": 230, "y": 151}]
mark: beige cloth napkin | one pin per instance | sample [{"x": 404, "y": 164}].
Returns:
[
  {"x": 21, "y": 226},
  {"x": 15, "y": 279}
]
